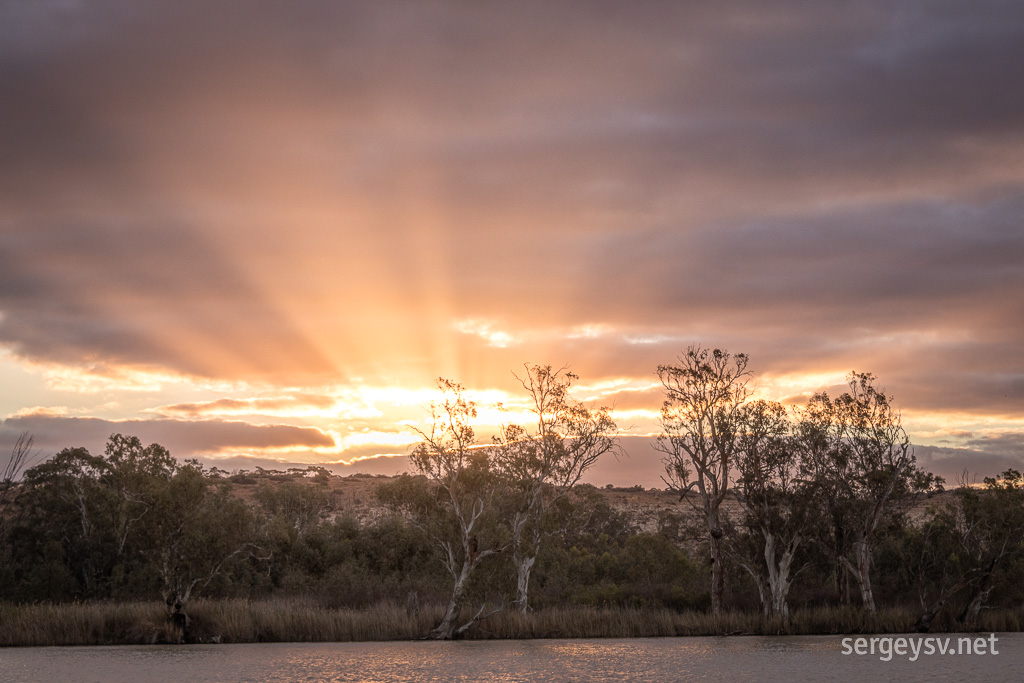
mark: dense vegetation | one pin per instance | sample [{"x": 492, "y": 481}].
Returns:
[{"x": 816, "y": 515}]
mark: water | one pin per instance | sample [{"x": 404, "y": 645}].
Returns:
[{"x": 791, "y": 658}]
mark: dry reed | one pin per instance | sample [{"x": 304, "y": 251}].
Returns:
[{"x": 303, "y": 620}]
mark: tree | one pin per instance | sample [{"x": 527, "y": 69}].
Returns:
[
  {"x": 130, "y": 519},
  {"x": 461, "y": 516},
  {"x": 703, "y": 397},
  {"x": 544, "y": 463},
  {"x": 66, "y": 516},
  {"x": 971, "y": 543},
  {"x": 21, "y": 455},
  {"x": 939, "y": 564},
  {"x": 135, "y": 476},
  {"x": 197, "y": 528},
  {"x": 994, "y": 521},
  {"x": 863, "y": 460},
  {"x": 777, "y": 501},
  {"x": 296, "y": 507},
  {"x": 94, "y": 507}
]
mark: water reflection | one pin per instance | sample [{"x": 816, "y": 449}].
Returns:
[{"x": 642, "y": 659}]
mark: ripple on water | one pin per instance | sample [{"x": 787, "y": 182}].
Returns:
[{"x": 657, "y": 660}]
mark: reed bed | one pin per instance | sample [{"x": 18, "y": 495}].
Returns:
[
  {"x": 582, "y": 622},
  {"x": 80, "y": 623},
  {"x": 304, "y": 620}
]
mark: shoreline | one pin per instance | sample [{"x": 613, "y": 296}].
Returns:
[{"x": 301, "y": 620}]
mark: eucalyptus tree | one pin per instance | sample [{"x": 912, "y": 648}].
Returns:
[
  {"x": 21, "y": 455},
  {"x": 294, "y": 508},
  {"x": 461, "y": 515},
  {"x": 92, "y": 508},
  {"x": 704, "y": 395},
  {"x": 67, "y": 518},
  {"x": 776, "y": 498},
  {"x": 994, "y": 526},
  {"x": 136, "y": 476},
  {"x": 545, "y": 461},
  {"x": 863, "y": 461},
  {"x": 971, "y": 546},
  {"x": 196, "y": 531},
  {"x": 130, "y": 520}
]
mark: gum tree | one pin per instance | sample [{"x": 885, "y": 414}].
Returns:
[
  {"x": 862, "y": 459},
  {"x": 969, "y": 546},
  {"x": 543, "y": 463},
  {"x": 704, "y": 394},
  {"x": 21, "y": 455},
  {"x": 133, "y": 519},
  {"x": 196, "y": 530},
  {"x": 776, "y": 499},
  {"x": 461, "y": 515}
]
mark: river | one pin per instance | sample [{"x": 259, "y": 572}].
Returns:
[{"x": 788, "y": 658}]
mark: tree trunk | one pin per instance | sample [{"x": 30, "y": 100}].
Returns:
[
  {"x": 862, "y": 572},
  {"x": 843, "y": 582},
  {"x": 526, "y": 539},
  {"x": 969, "y": 620},
  {"x": 777, "y": 607},
  {"x": 446, "y": 629},
  {"x": 177, "y": 617},
  {"x": 524, "y": 564},
  {"x": 763, "y": 593},
  {"x": 924, "y": 622},
  {"x": 717, "y": 573}
]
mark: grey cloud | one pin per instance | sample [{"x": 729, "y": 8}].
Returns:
[
  {"x": 860, "y": 260},
  {"x": 140, "y": 292},
  {"x": 785, "y": 181},
  {"x": 952, "y": 464},
  {"x": 184, "y": 439},
  {"x": 926, "y": 294},
  {"x": 1006, "y": 445},
  {"x": 251, "y": 406}
]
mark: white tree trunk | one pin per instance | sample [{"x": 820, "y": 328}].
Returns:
[
  {"x": 446, "y": 629},
  {"x": 862, "y": 572},
  {"x": 779, "y": 568},
  {"x": 524, "y": 565}
]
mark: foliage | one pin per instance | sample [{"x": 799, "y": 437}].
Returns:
[
  {"x": 543, "y": 463},
  {"x": 704, "y": 395},
  {"x": 861, "y": 458},
  {"x": 458, "y": 507},
  {"x": 778, "y": 502},
  {"x": 970, "y": 547},
  {"x": 130, "y": 523}
]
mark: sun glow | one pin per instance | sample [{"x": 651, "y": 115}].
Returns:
[{"x": 780, "y": 387}]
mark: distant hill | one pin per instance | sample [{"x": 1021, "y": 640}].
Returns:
[{"x": 356, "y": 495}]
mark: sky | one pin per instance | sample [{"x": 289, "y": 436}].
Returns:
[{"x": 257, "y": 232}]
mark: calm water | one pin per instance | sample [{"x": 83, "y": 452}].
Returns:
[{"x": 793, "y": 658}]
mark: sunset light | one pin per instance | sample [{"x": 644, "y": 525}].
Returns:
[
  {"x": 634, "y": 340},
  {"x": 262, "y": 242}
]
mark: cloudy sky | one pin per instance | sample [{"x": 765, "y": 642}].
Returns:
[{"x": 257, "y": 232}]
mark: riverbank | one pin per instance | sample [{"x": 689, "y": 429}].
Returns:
[{"x": 298, "y": 620}]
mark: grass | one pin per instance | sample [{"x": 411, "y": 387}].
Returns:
[
  {"x": 78, "y": 623},
  {"x": 583, "y": 622},
  {"x": 302, "y": 620},
  {"x": 226, "y": 621}
]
